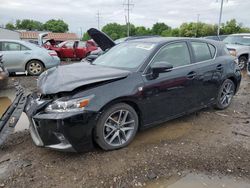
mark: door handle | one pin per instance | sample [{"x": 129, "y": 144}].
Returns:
[
  {"x": 27, "y": 53},
  {"x": 219, "y": 67},
  {"x": 191, "y": 75}
]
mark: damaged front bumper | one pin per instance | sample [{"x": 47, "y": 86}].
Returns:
[
  {"x": 71, "y": 132},
  {"x": 11, "y": 116}
]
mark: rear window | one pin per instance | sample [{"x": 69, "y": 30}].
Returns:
[{"x": 201, "y": 51}]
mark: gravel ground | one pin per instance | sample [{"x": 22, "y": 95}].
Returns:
[{"x": 210, "y": 142}]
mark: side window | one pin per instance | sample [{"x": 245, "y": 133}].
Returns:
[
  {"x": 212, "y": 50},
  {"x": 1, "y": 46},
  {"x": 24, "y": 48},
  {"x": 82, "y": 44},
  {"x": 69, "y": 44},
  {"x": 176, "y": 54},
  {"x": 9, "y": 46},
  {"x": 201, "y": 51}
]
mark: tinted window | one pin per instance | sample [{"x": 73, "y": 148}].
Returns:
[
  {"x": 126, "y": 55},
  {"x": 176, "y": 54},
  {"x": 201, "y": 51},
  {"x": 212, "y": 49}
]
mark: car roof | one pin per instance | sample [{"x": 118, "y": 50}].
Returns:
[
  {"x": 161, "y": 40},
  {"x": 11, "y": 40},
  {"x": 240, "y": 34}
]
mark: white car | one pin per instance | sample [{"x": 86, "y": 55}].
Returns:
[
  {"x": 22, "y": 56},
  {"x": 239, "y": 46}
]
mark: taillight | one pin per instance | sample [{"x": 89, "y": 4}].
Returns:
[{"x": 52, "y": 53}]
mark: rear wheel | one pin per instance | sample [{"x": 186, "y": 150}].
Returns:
[
  {"x": 35, "y": 68},
  {"x": 116, "y": 127},
  {"x": 225, "y": 95}
]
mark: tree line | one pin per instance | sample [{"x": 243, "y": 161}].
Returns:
[
  {"x": 52, "y": 25},
  {"x": 191, "y": 29},
  {"x": 116, "y": 31}
]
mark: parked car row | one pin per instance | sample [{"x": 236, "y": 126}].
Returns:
[{"x": 132, "y": 86}]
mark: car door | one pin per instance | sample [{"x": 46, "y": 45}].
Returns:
[
  {"x": 171, "y": 93},
  {"x": 80, "y": 50},
  {"x": 67, "y": 50},
  {"x": 209, "y": 71},
  {"x": 15, "y": 56}
]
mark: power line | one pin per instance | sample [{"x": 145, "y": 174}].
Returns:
[{"x": 128, "y": 6}]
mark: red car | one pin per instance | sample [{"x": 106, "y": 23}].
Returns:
[
  {"x": 73, "y": 49},
  {"x": 70, "y": 49}
]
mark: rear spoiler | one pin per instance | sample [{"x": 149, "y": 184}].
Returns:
[{"x": 11, "y": 116}]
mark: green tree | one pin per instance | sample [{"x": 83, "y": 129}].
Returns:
[
  {"x": 158, "y": 28},
  {"x": 10, "y": 26},
  {"x": 85, "y": 37},
  {"x": 175, "y": 32},
  {"x": 56, "y": 26},
  {"x": 115, "y": 30},
  {"x": 141, "y": 30},
  {"x": 30, "y": 25},
  {"x": 230, "y": 27}
]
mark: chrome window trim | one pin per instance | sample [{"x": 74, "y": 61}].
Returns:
[{"x": 195, "y": 63}]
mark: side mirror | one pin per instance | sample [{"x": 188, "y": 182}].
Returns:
[{"x": 161, "y": 67}]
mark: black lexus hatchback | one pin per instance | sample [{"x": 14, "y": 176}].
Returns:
[{"x": 132, "y": 86}]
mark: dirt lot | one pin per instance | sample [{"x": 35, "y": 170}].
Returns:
[{"x": 209, "y": 142}]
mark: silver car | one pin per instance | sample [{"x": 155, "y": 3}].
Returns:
[
  {"x": 22, "y": 56},
  {"x": 239, "y": 46}
]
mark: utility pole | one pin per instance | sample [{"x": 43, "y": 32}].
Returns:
[
  {"x": 98, "y": 20},
  {"x": 128, "y": 8},
  {"x": 221, "y": 9},
  {"x": 198, "y": 20}
]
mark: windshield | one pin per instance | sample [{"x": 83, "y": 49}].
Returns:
[
  {"x": 238, "y": 39},
  {"x": 127, "y": 55}
]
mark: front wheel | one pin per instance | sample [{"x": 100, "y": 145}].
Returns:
[
  {"x": 116, "y": 127},
  {"x": 225, "y": 94}
]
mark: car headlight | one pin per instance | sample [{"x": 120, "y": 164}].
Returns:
[
  {"x": 69, "y": 105},
  {"x": 232, "y": 52}
]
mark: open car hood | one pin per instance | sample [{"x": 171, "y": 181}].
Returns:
[
  {"x": 101, "y": 39},
  {"x": 40, "y": 38},
  {"x": 69, "y": 77}
]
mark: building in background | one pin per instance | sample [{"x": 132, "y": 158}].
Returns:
[
  {"x": 32, "y": 36},
  {"x": 9, "y": 34}
]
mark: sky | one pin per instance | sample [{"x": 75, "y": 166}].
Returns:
[{"x": 82, "y": 14}]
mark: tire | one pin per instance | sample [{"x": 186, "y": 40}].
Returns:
[
  {"x": 111, "y": 135},
  {"x": 242, "y": 62},
  {"x": 225, "y": 95},
  {"x": 35, "y": 68}
]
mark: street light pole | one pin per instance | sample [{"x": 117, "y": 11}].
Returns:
[
  {"x": 221, "y": 9},
  {"x": 198, "y": 20}
]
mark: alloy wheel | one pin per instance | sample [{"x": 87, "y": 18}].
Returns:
[
  {"x": 119, "y": 128},
  {"x": 227, "y": 94}
]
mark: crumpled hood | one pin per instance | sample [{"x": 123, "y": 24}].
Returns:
[{"x": 69, "y": 77}]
